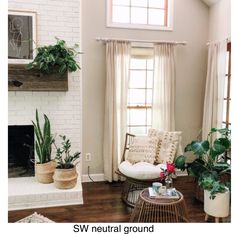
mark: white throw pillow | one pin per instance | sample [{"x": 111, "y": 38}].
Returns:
[
  {"x": 142, "y": 149},
  {"x": 168, "y": 144}
]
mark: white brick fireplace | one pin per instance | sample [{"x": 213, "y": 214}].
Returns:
[{"x": 55, "y": 18}]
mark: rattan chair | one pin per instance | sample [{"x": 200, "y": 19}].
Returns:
[{"x": 133, "y": 186}]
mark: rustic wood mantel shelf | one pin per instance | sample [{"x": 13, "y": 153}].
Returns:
[{"x": 21, "y": 79}]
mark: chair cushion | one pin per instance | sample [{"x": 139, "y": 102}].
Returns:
[
  {"x": 168, "y": 144},
  {"x": 141, "y": 170},
  {"x": 142, "y": 149}
]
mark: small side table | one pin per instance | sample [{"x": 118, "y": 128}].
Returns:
[{"x": 152, "y": 210}]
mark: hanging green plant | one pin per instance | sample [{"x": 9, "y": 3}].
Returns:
[{"x": 58, "y": 58}]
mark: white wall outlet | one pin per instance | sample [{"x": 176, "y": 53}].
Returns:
[{"x": 88, "y": 157}]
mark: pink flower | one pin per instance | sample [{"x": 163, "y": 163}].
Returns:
[
  {"x": 170, "y": 167},
  {"x": 162, "y": 174}
]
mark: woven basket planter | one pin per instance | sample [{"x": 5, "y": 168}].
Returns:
[
  {"x": 44, "y": 172},
  {"x": 65, "y": 178}
]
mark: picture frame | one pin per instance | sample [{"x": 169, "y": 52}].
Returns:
[{"x": 22, "y": 36}]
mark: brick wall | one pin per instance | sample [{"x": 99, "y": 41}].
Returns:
[{"x": 61, "y": 19}]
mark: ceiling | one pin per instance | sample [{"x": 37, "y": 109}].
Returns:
[{"x": 210, "y": 2}]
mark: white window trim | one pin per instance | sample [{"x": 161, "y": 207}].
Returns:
[{"x": 111, "y": 24}]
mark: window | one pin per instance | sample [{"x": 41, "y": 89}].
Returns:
[
  {"x": 227, "y": 93},
  {"x": 139, "y": 108},
  {"x": 143, "y": 14}
]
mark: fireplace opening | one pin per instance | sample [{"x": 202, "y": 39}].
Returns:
[{"x": 20, "y": 151}]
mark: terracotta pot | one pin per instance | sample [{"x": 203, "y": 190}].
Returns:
[
  {"x": 217, "y": 207},
  {"x": 65, "y": 178},
  {"x": 44, "y": 172}
]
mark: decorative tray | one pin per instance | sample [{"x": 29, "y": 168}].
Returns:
[{"x": 171, "y": 194}]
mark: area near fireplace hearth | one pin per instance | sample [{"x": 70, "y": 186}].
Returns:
[{"x": 62, "y": 108}]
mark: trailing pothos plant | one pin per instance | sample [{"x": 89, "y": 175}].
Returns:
[
  {"x": 65, "y": 160},
  {"x": 44, "y": 139},
  {"x": 58, "y": 58},
  {"x": 211, "y": 161}
]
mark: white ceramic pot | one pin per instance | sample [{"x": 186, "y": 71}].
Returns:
[{"x": 217, "y": 207}]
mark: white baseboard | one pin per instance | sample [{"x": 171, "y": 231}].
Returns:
[{"x": 95, "y": 177}]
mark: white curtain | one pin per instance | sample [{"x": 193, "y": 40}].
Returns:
[
  {"x": 117, "y": 74},
  {"x": 163, "y": 112},
  {"x": 214, "y": 91}
]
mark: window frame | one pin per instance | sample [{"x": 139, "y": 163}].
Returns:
[
  {"x": 168, "y": 19},
  {"x": 145, "y": 106},
  {"x": 228, "y": 97}
]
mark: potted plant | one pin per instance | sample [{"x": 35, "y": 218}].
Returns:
[
  {"x": 65, "y": 176},
  {"x": 44, "y": 167},
  {"x": 209, "y": 167},
  {"x": 58, "y": 58}
]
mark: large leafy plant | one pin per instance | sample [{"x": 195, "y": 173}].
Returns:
[
  {"x": 211, "y": 160},
  {"x": 44, "y": 139},
  {"x": 56, "y": 58},
  {"x": 65, "y": 159}
]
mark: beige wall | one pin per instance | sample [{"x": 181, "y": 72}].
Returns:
[
  {"x": 219, "y": 20},
  {"x": 190, "y": 24}
]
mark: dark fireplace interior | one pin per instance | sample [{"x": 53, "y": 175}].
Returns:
[{"x": 20, "y": 151}]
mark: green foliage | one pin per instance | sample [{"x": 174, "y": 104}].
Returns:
[
  {"x": 213, "y": 185},
  {"x": 56, "y": 58},
  {"x": 180, "y": 162},
  {"x": 44, "y": 139},
  {"x": 64, "y": 159},
  {"x": 210, "y": 162}
]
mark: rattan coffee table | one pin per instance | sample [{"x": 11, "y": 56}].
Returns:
[{"x": 159, "y": 210}]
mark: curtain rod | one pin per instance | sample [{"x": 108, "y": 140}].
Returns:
[
  {"x": 210, "y": 42},
  {"x": 144, "y": 41}
]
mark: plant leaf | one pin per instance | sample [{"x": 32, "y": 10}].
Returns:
[
  {"x": 38, "y": 126},
  {"x": 218, "y": 147},
  {"x": 180, "y": 162},
  {"x": 196, "y": 168},
  {"x": 200, "y": 147}
]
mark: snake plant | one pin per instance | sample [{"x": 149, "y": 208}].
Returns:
[{"x": 44, "y": 139}]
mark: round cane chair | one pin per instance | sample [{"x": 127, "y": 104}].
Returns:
[
  {"x": 147, "y": 174},
  {"x": 132, "y": 187}
]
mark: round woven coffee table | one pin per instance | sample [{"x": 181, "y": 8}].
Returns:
[{"x": 160, "y": 210}]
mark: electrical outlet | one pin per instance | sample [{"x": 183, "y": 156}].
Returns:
[{"x": 88, "y": 157}]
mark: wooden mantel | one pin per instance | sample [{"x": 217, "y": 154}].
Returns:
[{"x": 21, "y": 79}]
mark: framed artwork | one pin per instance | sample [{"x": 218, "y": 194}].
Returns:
[{"x": 21, "y": 36}]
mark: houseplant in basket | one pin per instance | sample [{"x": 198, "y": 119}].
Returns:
[
  {"x": 65, "y": 176},
  {"x": 211, "y": 169},
  {"x": 44, "y": 167}
]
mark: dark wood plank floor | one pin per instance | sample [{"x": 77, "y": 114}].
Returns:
[{"x": 102, "y": 203}]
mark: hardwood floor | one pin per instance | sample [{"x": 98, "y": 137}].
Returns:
[{"x": 102, "y": 203}]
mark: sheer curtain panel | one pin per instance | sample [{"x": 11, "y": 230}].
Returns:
[
  {"x": 214, "y": 91},
  {"x": 163, "y": 114},
  {"x": 117, "y": 75}
]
